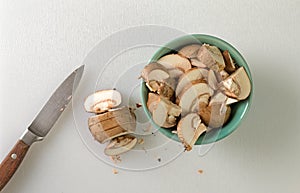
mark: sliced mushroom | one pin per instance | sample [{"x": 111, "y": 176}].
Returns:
[
  {"x": 197, "y": 63},
  {"x": 189, "y": 51},
  {"x": 160, "y": 114},
  {"x": 176, "y": 61},
  {"x": 153, "y": 100},
  {"x": 212, "y": 57},
  {"x": 189, "y": 129},
  {"x": 111, "y": 124},
  {"x": 102, "y": 101},
  {"x": 155, "y": 71},
  {"x": 120, "y": 145},
  {"x": 212, "y": 80},
  {"x": 190, "y": 93},
  {"x": 162, "y": 88},
  {"x": 221, "y": 75},
  {"x": 230, "y": 67},
  {"x": 215, "y": 115},
  {"x": 164, "y": 113},
  {"x": 218, "y": 98},
  {"x": 188, "y": 77},
  {"x": 200, "y": 102},
  {"x": 176, "y": 72},
  {"x": 237, "y": 85}
]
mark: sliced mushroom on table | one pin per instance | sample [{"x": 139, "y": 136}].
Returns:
[
  {"x": 120, "y": 145},
  {"x": 102, "y": 101},
  {"x": 111, "y": 124}
]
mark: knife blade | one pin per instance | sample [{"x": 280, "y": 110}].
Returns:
[{"x": 40, "y": 126}]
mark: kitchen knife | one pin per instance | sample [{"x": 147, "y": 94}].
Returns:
[{"x": 40, "y": 126}]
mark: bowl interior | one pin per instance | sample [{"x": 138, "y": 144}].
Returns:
[{"x": 238, "y": 109}]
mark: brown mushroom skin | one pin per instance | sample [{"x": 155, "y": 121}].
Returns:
[
  {"x": 215, "y": 115},
  {"x": 230, "y": 67}
]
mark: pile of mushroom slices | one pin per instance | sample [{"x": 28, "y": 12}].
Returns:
[
  {"x": 111, "y": 124},
  {"x": 192, "y": 90}
]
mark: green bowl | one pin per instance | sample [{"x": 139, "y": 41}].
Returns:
[{"x": 239, "y": 109}]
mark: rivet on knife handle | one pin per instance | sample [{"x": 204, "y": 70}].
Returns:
[{"x": 12, "y": 161}]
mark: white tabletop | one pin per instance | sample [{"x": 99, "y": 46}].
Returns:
[{"x": 41, "y": 42}]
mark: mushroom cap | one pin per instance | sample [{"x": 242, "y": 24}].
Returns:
[{"x": 102, "y": 101}]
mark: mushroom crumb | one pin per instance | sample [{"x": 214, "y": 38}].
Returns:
[
  {"x": 200, "y": 171},
  {"x": 138, "y": 105},
  {"x": 141, "y": 141},
  {"x": 116, "y": 158},
  {"x": 115, "y": 171}
]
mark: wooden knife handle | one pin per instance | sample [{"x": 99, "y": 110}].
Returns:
[{"x": 11, "y": 162}]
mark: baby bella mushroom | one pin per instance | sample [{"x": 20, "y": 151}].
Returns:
[
  {"x": 190, "y": 93},
  {"x": 189, "y": 51},
  {"x": 102, "y": 101},
  {"x": 215, "y": 115},
  {"x": 120, "y": 145},
  {"x": 189, "y": 129},
  {"x": 188, "y": 77},
  {"x": 212, "y": 57},
  {"x": 229, "y": 63},
  {"x": 175, "y": 63},
  {"x": 158, "y": 80},
  {"x": 164, "y": 112},
  {"x": 237, "y": 85},
  {"x": 112, "y": 123}
]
